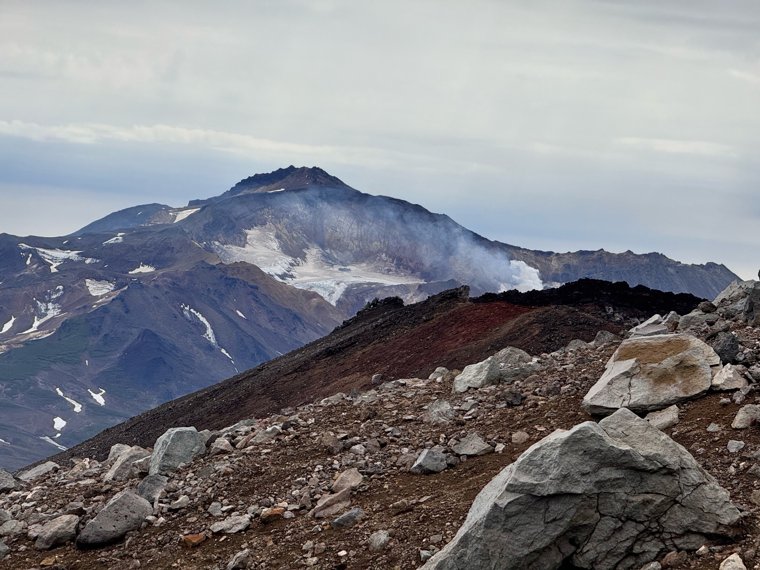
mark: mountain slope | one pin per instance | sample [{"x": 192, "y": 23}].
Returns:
[{"x": 153, "y": 302}]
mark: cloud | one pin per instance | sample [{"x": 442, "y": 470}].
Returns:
[{"x": 675, "y": 146}]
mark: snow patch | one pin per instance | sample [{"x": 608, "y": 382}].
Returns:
[
  {"x": 77, "y": 405},
  {"x": 209, "y": 335},
  {"x": 142, "y": 269},
  {"x": 8, "y": 326},
  {"x": 55, "y": 257},
  {"x": 98, "y": 397},
  {"x": 274, "y": 191},
  {"x": 55, "y": 443},
  {"x": 3, "y": 441},
  {"x": 99, "y": 288},
  {"x": 183, "y": 214},
  {"x": 241, "y": 315},
  {"x": 28, "y": 259},
  {"x": 118, "y": 238},
  {"x": 46, "y": 310},
  {"x": 59, "y": 423}
]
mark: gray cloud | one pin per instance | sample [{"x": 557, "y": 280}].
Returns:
[{"x": 554, "y": 124}]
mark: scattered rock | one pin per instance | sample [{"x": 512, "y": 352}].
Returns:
[
  {"x": 478, "y": 375},
  {"x": 58, "y": 531},
  {"x": 174, "y": 448},
  {"x": 4, "y": 550},
  {"x": 654, "y": 325},
  {"x": 349, "y": 519},
  {"x": 605, "y": 337},
  {"x": 663, "y": 419},
  {"x": 151, "y": 487},
  {"x": 348, "y": 479},
  {"x": 726, "y": 346},
  {"x": 221, "y": 445},
  {"x": 123, "y": 467},
  {"x": 241, "y": 560},
  {"x": 193, "y": 540},
  {"x": 729, "y": 378},
  {"x": 472, "y": 444},
  {"x": 650, "y": 373},
  {"x": 271, "y": 514},
  {"x": 429, "y": 461},
  {"x": 520, "y": 437},
  {"x": 439, "y": 412},
  {"x": 378, "y": 540},
  {"x": 331, "y": 505},
  {"x": 733, "y": 562},
  {"x": 735, "y": 446},
  {"x": 126, "y": 511},
  {"x": 7, "y": 482},
  {"x": 231, "y": 525},
  {"x": 116, "y": 450},
  {"x": 747, "y": 416},
  {"x": 593, "y": 484},
  {"x": 38, "y": 471},
  {"x": 181, "y": 503}
]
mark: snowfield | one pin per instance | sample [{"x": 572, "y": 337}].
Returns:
[
  {"x": 99, "y": 288},
  {"x": 142, "y": 268},
  {"x": 184, "y": 214},
  {"x": 55, "y": 257}
]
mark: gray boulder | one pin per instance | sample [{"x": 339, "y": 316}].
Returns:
[
  {"x": 123, "y": 467},
  {"x": 231, "y": 525},
  {"x": 125, "y": 512},
  {"x": 439, "y": 412},
  {"x": 652, "y": 326},
  {"x": 472, "y": 444},
  {"x": 478, "y": 375},
  {"x": 116, "y": 450},
  {"x": 729, "y": 378},
  {"x": 663, "y": 419},
  {"x": 506, "y": 366},
  {"x": 747, "y": 416},
  {"x": 696, "y": 319},
  {"x": 151, "y": 487},
  {"x": 429, "y": 461},
  {"x": 38, "y": 471},
  {"x": 726, "y": 345},
  {"x": 58, "y": 531},
  {"x": 651, "y": 373},
  {"x": 175, "y": 447},
  {"x": 611, "y": 495},
  {"x": 7, "y": 481}
]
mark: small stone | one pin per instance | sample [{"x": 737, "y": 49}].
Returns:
[
  {"x": 241, "y": 560},
  {"x": 426, "y": 555},
  {"x": 193, "y": 540},
  {"x": 520, "y": 437},
  {"x": 271, "y": 514},
  {"x": 733, "y": 562},
  {"x": 181, "y": 503},
  {"x": 713, "y": 428},
  {"x": 735, "y": 446},
  {"x": 472, "y": 445},
  {"x": 663, "y": 419},
  {"x": 729, "y": 378},
  {"x": 221, "y": 445},
  {"x": 349, "y": 479},
  {"x": 215, "y": 509},
  {"x": 7, "y": 481},
  {"x": 331, "y": 505},
  {"x": 379, "y": 540},
  {"x": 439, "y": 412},
  {"x": 358, "y": 449},
  {"x": 349, "y": 519},
  {"x": 755, "y": 498},
  {"x": 652, "y": 566},
  {"x": 151, "y": 487},
  {"x": 231, "y": 525},
  {"x": 4, "y": 550},
  {"x": 401, "y": 506},
  {"x": 513, "y": 399},
  {"x": 703, "y": 550},
  {"x": 673, "y": 559}
]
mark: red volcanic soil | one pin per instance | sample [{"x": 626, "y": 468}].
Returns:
[{"x": 396, "y": 341}]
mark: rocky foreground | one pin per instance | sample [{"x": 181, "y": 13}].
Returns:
[{"x": 464, "y": 469}]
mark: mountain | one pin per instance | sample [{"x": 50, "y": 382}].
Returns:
[{"x": 153, "y": 302}]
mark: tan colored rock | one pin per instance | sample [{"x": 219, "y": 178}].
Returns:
[
  {"x": 651, "y": 373},
  {"x": 271, "y": 514},
  {"x": 349, "y": 479},
  {"x": 729, "y": 378}
]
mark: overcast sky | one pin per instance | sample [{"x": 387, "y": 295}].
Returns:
[{"x": 561, "y": 125}]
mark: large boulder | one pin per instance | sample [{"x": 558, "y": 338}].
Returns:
[
  {"x": 124, "y": 466},
  {"x": 175, "y": 447},
  {"x": 38, "y": 471},
  {"x": 7, "y": 481},
  {"x": 611, "y": 495},
  {"x": 506, "y": 366},
  {"x": 651, "y": 373},
  {"x": 58, "y": 531},
  {"x": 740, "y": 300},
  {"x": 125, "y": 512}
]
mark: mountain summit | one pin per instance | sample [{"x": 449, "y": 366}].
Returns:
[{"x": 152, "y": 302}]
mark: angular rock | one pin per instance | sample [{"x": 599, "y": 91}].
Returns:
[
  {"x": 125, "y": 512},
  {"x": 220, "y": 445},
  {"x": 231, "y": 525},
  {"x": 116, "y": 450},
  {"x": 733, "y": 562},
  {"x": 241, "y": 560},
  {"x": 605, "y": 337},
  {"x": 651, "y": 373},
  {"x": 471, "y": 445},
  {"x": 181, "y": 503},
  {"x": 439, "y": 412},
  {"x": 175, "y": 447},
  {"x": 584, "y": 498},
  {"x": 696, "y": 319},
  {"x": 331, "y": 505},
  {"x": 652, "y": 326},
  {"x": 11, "y": 528},
  {"x": 663, "y": 419},
  {"x": 349, "y": 519},
  {"x": 123, "y": 467},
  {"x": 349, "y": 479},
  {"x": 378, "y": 540},
  {"x": 729, "y": 378},
  {"x": 7, "y": 481},
  {"x": 726, "y": 346},
  {"x": 266, "y": 435},
  {"x": 194, "y": 539},
  {"x": 58, "y": 531},
  {"x": 38, "y": 471},
  {"x": 4, "y": 550},
  {"x": 747, "y": 416},
  {"x": 735, "y": 446},
  {"x": 151, "y": 487},
  {"x": 576, "y": 344},
  {"x": 514, "y": 364},
  {"x": 429, "y": 461},
  {"x": 478, "y": 375},
  {"x": 671, "y": 320},
  {"x": 271, "y": 514}
]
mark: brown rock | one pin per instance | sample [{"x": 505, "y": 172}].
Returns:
[
  {"x": 193, "y": 540},
  {"x": 271, "y": 514}
]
